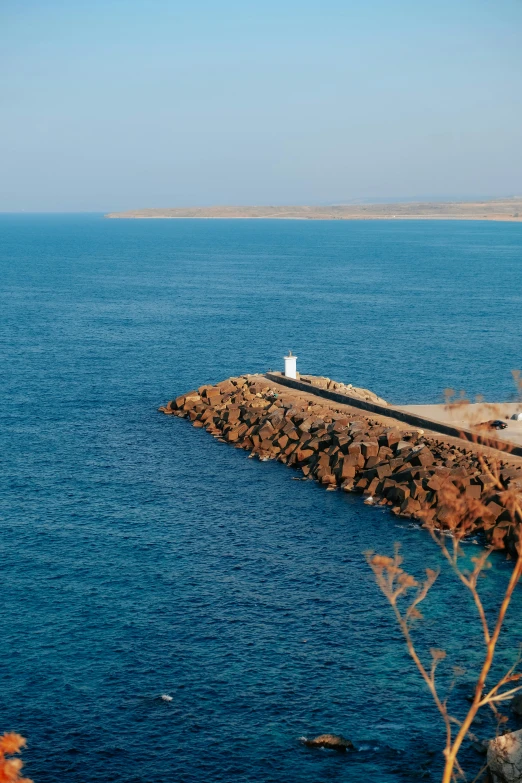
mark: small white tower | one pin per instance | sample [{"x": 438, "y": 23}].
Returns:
[{"x": 290, "y": 366}]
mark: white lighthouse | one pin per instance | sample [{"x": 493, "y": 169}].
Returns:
[{"x": 290, "y": 366}]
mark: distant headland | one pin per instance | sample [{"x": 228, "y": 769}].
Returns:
[{"x": 508, "y": 209}]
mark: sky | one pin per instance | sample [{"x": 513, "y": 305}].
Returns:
[{"x": 110, "y": 105}]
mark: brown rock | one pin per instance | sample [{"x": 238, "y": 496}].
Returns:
[
  {"x": 305, "y": 425},
  {"x": 398, "y": 494},
  {"x": 396, "y": 461},
  {"x": 402, "y": 445},
  {"x": 410, "y": 506},
  {"x": 369, "y": 448},
  {"x": 226, "y": 387},
  {"x": 324, "y": 460},
  {"x": 473, "y": 491},
  {"x": 371, "y": 489},
  {"x": 331, "y": 741},
  {"x": 422, "y": 458},
  {"x": 495, "y": 509},
  {"x": 383, "y": 470},
  {"x": 292, "y": 433},
  {"x": 191, "y": 400},
  {"x": 265, "y": 431},
  {"x": 445, "y": 514},
  {"x": 485, "y": 480},
  {"x": 347, "y": 469},
  {"x": 417, "y": 491},
  {"x": 328, "y": 478},
  {"x": 390, "y": 437},
  {"x": 319, "y": 382},
  {"x": 342, "y": 441},
  {"x": 435, "y": 483},
  {"x": 233, "y": 415}
]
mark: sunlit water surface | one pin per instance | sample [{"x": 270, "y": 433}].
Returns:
[{"x": 141, "y": 557}]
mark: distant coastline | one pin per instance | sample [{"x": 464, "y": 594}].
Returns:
[{"x": 507, "y": 210}]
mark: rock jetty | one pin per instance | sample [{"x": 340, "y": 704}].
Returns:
[{"x": 406, "y": 469}]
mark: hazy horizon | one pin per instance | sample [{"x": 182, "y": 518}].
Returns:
[
  {"x": 354, "y": 202},
  {"x": 127, "y": 104}
]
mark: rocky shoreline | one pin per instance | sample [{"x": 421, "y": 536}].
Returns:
[{"x": 406, "y": 469}]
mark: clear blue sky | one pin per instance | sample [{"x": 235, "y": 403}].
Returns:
[{"x": 115, "y": 104}]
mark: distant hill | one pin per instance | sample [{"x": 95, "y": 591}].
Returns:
[{"x": 498, "y": 209}]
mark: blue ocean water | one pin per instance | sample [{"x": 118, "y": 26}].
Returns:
[{"x": 141, "y": 557}]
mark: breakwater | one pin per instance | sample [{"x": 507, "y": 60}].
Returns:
[{"x": 419, "y": 475}]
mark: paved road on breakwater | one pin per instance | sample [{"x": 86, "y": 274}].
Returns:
[{"x": 394, "y": 416}]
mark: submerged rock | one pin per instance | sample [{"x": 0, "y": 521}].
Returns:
[
  {"x": 331, "y": 741},
  {"x": 516, "y": 704},
  {"x": 505, "y": 758}
]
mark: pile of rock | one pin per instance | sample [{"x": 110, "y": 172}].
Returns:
[
  {"x": 400, "y": 468},
  {"x": 321, "y": 382}
]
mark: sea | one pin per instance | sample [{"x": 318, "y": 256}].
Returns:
[{"x": 172, "y": 611}]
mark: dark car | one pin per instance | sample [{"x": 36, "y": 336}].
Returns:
[{"x": 497, "y": 424}]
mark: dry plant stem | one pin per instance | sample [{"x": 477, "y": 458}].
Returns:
[
  {"x": 487, "y": 470},
  {"x": 478, "y": 701},
  {"x": 480, "y": 773},
  {"x": 429, "y": 679},
  {"x": 471, "y": 581},
  {"x": 508, "y": 677},
  {"x": 395, "y": 582}
]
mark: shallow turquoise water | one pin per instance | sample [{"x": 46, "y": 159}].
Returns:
[{"x": 141, "y": 557}]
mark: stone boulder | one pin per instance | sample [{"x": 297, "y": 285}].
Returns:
[
  {"x": 330, "y": 741},
  {"x": 505, "y": 758}
]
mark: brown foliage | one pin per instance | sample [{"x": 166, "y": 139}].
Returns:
[
  {"x": 10, "y": 768},
  {"x": 462, "y": 516},
  {"x": 457, "y": 516}
]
